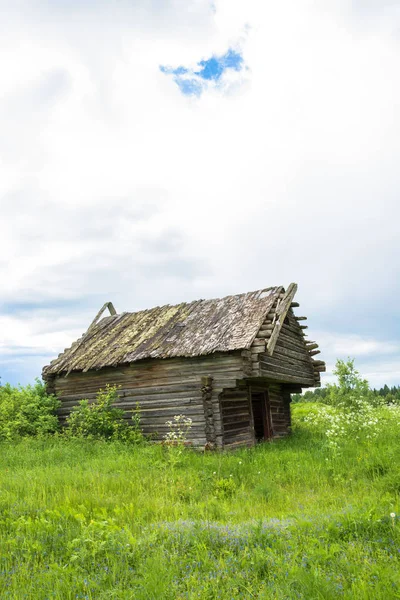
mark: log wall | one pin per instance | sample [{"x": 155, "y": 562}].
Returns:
[
  {"x": 162, "y": 388},
  {"x": 291, "y": 361},
  {"x": 212, "y": 390},
  {"x": 279, "y": 400},
  {"x": 237, "y": 419}
]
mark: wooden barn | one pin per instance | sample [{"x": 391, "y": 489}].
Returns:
[{"x": 230, "y": 364}]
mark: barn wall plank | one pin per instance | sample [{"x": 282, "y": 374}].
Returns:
[{"x": 162, "y": 388}]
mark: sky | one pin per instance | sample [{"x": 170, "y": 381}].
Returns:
[{"x": 155, "y": 152}]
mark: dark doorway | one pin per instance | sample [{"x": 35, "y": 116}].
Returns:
[{"x": 261, "y": 416}]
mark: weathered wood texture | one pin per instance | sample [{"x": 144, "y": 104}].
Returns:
[
  {"x": 162, "y": 389},
  {"x": 198, "y": 328},
  {"x": 291, "y": 359},
  {"x": 237, "y": 419},
  {"x": 282, "y": 308},
  {"x": 280, "y": 410},
  {"x": 237, "y": 423},
  {"x": 260, "y": 342},
  {"x": 196, "y": 359}
]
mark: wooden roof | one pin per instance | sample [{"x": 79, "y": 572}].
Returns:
[{"x": 188, "y": 329}]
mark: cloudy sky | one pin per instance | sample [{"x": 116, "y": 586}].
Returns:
[{"x": 154, "y": 151}]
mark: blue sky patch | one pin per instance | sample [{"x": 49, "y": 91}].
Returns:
[{"x": 192, "y": 82}]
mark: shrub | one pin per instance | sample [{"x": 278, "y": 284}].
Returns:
[
  {"x": 27, "y": 411},
  {"x": 355, "y": 420},
  {"x": 101, "y": 420}
]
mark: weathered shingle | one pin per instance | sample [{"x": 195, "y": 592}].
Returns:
[{"x": 188, "y": 329}]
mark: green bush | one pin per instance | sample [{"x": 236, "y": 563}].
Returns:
[
  {"x": 101, "y": 420},
  {"x": 27, "y": 411}
]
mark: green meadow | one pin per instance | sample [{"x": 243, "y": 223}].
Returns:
[{"x": 311, "y": 516}]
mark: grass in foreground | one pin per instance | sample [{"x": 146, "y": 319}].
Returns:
[{"x": 290, "y": 519}]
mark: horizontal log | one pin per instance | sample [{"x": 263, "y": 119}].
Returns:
[
  {"x": 236, "y": 427},
  {"x": 233, "y": 412},
  {"x": 168, "y": 411},
  {"x": 294, "y": 305},
  {"x": 312, "y": 346},
  {"x": 301, "y": 318},
  {"x": 233, "y": 401},
  {"x": 165, "y": 365},
  {"x": 236, "y": 417},
  {"x": 285, "y": 378},
  {"x": 286, "y": 355},
  {"x": 230, "y": 408},
  {"x": 130, "y": 403},
  {"x": 275, "y": 363},
  {"x": 82, "y": 385},
  {"x": 293, "y": 343},
  {"x": 157, "y": 368},
  {"x": 197, "y": 426},
  {"x": 240, "y": 444},
  {"x": 314, "y": 352},
  {"x": 236, "y": 437},
  {"x": 264, "y": 333},
  {"x": 293, "y": 330},
  {"x": 235, "y": 394}
]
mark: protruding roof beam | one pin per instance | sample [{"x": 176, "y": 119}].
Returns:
[{"x": 281, "y": 311}]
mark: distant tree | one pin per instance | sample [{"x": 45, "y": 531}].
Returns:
[
  {"x": 350, "y": 385},
  {"x": 349, "y": 379}
]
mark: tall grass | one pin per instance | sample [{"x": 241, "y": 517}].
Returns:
[{"x": 288, "y": 519}]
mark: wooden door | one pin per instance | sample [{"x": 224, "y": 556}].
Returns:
[{"x": 261, "y": 415}]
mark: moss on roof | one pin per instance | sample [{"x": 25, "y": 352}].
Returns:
[{"x": 188, "y": 329}]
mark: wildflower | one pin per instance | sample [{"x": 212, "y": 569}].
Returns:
[
  {"x": 393, "y": 515},
  {"x": 214, "y": 472},
  {"x": 240, "y": 462}
]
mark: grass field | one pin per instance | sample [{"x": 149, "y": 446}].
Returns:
[{"x": 289, "y": 519}]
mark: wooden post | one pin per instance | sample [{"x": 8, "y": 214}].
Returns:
[{"x": 206, "y": 391}]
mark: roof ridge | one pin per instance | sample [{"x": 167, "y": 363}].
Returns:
[{"x": 209, "y": 325}]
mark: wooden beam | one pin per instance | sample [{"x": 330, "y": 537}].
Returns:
[
  {"x": 110, "y": 307},
  {"x": 282, "y": 310},
  {"x": 312, "y": 346},
  {"x": 113, "y": 312}
]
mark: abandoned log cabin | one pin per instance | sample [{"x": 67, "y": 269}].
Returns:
[{"x": 229, "y": 364}]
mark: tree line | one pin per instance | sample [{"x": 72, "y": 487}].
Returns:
[{"x": 349, "y": 381}]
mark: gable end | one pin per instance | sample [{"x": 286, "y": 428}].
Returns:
[{"x": 280, "y": 350}]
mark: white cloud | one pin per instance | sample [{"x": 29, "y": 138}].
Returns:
[
  {"x": 344, "y": 345},
  {"x": 290, "y": 176}
]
